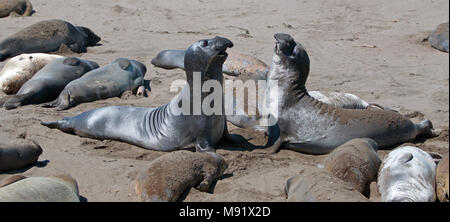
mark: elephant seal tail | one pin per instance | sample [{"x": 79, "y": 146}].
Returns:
[
  {"x": 61, "y": 103},
  {"x": 15, "y": 101},
  {"x": 426, "y": 129},
  {"x": 52, "y": 125},
  {"x": 63, "y": 125}
]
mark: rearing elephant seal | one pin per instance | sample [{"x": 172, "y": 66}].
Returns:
[
  {"x": 15, "y": 7},
  {"x": 439, "y": 37},
  {"x": 39, "y": 189},
  {"x": 442, "y": 182},
  {"x": 49, "y": 81},
  {"x": 108, "y": 81},
  {"x": 21, "y": 68},
  {"x": 166, "y": 128},
  {"x": 307, "y": 125},
  {"x": 18, "y": 154},
  {"x": 47, "y": 36},
  {"x": 171, "y": 175}
]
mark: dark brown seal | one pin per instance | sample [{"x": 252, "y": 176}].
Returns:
[{"x": 15, "y": 8}]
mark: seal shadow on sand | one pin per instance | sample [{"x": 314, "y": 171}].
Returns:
[{"x": 38, "y": 164}]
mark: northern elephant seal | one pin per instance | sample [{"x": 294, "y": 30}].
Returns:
[
  {"x": 307, "y": 125},
  {"x": 168, "y": 127},
  {"x": 314, "y": 185},
  {"x": 355, "y": 162},
  {"x": 15, "y": 7},
  {"x": 18, "y": 154},
  {"x": 442, "y": 179},
  {"x": 47, "y": 36},
  {"x": 46, "y": 85},
  {"x": 407, "y": 174},
  {"x": 106, "y": 82},
  {"x": 439, "y": 37},
  {"x": 171, "y": 175},
  {"x": 39, "y": 189},
  {"x": 21, "y": 68}
]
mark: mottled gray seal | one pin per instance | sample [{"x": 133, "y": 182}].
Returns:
[
  {"x": 407, "y": 174},
  {"x": 439, "y": 37},
  {"x": 106, "y": 82},
  {"x": 314, "y": 185},
  {"x": 21, "y": 68},
  {"x": 46, "y": 85},
  {"x": 47, "y": 36},
  {"x": 15, "y": 7},
  {"x": 19, "y": 188},
  {"x": 18, "y": 154},
  {"x": 307, "y": 125},
  {"x": 171, "y": 175},
  {"x": 442, "y": 179},
  {"x": 355, "y": 162},
  {"x": 164, "y": 128}
]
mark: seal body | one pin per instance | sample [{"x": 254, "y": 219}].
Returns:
[
  {"x": 47, "y": 36},
  {"x": 21, "y": 68},
  {"x": 305, "y": 124},
  {"x": 39, "y": 189},
  {"x": 15, "y": 7},
  {"x": 313, "y": 185},
  {"x": 439, "y": 37},
  {"x": 407, "y": 174},
  {"x": 169, "y": 127},
  {"x": 355, "y": 162},
  {"x": 18, "y": 154},
  {"x": 109, "y": 81},
  {"x": 442, "y": 179},
  {"x": 46, "y": 85},
  {"x": 171, "y": 175}
]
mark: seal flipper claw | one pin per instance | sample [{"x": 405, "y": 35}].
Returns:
[{"x": 274, "y": 140}]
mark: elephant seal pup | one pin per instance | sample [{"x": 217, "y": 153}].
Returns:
[
  {"x": 171, "y": 175},
  {"x": 108, "y": 81},
  {"x": 169, "y": 127},
  {"x": 307, "y": 125},
  {"x": 21, "y": 68},
  {"x": 314, "y": 185},
  {"x": 39, "y": 189},
  {"x": 355, "y": 162},
  {"x": 407, "y": 174},
  {"x": 18, "y": 154},
  {"x": 46, "y": 85},
  {"x": 15, "y": 7},
  {"x": 439, "y": 37},
  {"x": 442, "y": 179},
  {"x": 47, "y": 36}
]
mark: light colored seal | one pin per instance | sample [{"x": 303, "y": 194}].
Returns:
[
  {"x": 442, "y": 179},
  {"x": 314, "y": 185},
  {"x": 21, "y": 68},
  {"x": 39, "y": 189},
  {"x": 47, "y": 36},
  {"x": 355, "y": 162},
  {"x": 307, "y": 125},
  {"x": 439, "y": 37},
  {"x": 15, "y": 8},
  {"x": 166, "y": 128},
  {"x": 407, "y": 174},
  {"x": 106, "y": 82},
  {"x": 174, "y": 174},
  {"x": 46, "y": 85},
  {"x": 18, "y": 154}
]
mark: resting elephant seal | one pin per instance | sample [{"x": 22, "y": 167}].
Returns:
[
  {"x": 21, "y": 68},
  {"x": 168, "y": 127},
  {"x": 18, "y": 154},
  {"x": 313, "y": 185},
  {"x": 46, "y": 85},
  {"x": 172, "y": 175},
  {"x": 407, "y": 174},
  {"x": 39, "y": 189},
  {"x": 108, "y": 81},
  {"x": 15, "y": 7},
  {"x": 307, "y": 125},
  {"x": 355, "y": 162},
  {"x": 47, "y": 36},
  {"x": 442, "y": 179},
  {"x": 439, "y": 37}
]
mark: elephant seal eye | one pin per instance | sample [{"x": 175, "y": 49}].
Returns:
[{"x": 204, "y": 43}]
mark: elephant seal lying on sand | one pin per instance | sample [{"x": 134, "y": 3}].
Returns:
[
  {"x": 15, "y": 7},
  {"x": 18, "y": 154}
]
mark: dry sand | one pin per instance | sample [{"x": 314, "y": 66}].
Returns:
[{"x": 373, "y": 49}]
